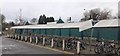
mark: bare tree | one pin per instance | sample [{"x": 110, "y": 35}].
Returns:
[
  {"x": 2, "y": 19},
  {"x": 119, "y": 14},
  {"x": 105, "y": 14},
  {"x": 86, "y": 15},
  {"x": 34, "y": 21},
  {"x": 96, "y": 14},
  {"x": 16, "y": 21},
  {"x": 20, "y": 21}
]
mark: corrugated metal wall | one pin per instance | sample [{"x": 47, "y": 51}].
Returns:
[
  {"x": 106, "y": 33},
  {"x": 74, "y": 32},
  {"x": 65, "y": 32},
  {"x": 57, "y": 32},
  {"x": 43, "y": 31}
]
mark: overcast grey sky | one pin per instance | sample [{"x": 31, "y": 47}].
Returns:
[{"x": 55, "y": 8}]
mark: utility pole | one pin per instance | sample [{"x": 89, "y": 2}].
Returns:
[
  {"x": 0, "y": 22},
  {"x": 118, "y": 10},
  {"x": 0, "y": 31}
]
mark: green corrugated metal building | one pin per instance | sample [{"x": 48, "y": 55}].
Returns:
[
  {"x": 107, "y": 29},
  {"x": 61, "y": 29}
]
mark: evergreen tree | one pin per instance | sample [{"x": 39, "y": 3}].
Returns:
[
  {"x": 40, "y": 20},
  {"x": 27, "y": 23},
  {"x": 50, "y": 19}
]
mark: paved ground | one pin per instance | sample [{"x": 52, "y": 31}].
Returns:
[{"x": 11, "y": 46}]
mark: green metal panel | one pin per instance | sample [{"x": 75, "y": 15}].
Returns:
[
  {"x": 17, "y": 31},
  {"x": 107, "y": 33},
  {"x": 119, "y": 34},
  {"x": 20, "y": 30},
  {"x": 48, "y": 31},
  {"x": 39, "y": 31},
  {"x": 36, "y": 31},
  {"x": 65, "y": 32},
  {"x": 52, "y": 32},
  {"x": 33, "y": 31},
  {"x": 57, "y": 32},
  {"x": 29, "y": 32},
  {"x": 96, "y": 33},
  {"x": 43, "y": 31},
  {"x": 25, "y": 32},
  {"x": 74, "y": 32},
  {"x": 87, "y": 33}
]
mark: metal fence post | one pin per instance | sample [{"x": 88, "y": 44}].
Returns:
[
  {"x": 10, "y": 35},
  {"x": 7, "y": 35},
  {"x": 63, "y": 46},
  {"x": 78, "y": 47},
  {"x": 43, "y": 41},
  {"x": 26, "y": 38},
  {"x": 52, "y": 42},
  {"x": 18, "y": 37},
  {"x": 36, "y": 40},
  {"x": 30, "y": 39},
  {"x": 15, "y": 36},
  {"x": 21, "y": 37}
]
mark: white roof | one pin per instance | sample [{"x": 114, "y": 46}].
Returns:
[
  {"x": 51, "y": 22},
  {"x": 81, "y": 25},
  {"x": 108, "y": 23}
]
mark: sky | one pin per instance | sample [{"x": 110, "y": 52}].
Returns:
[{"x": 55, "y": 8}]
